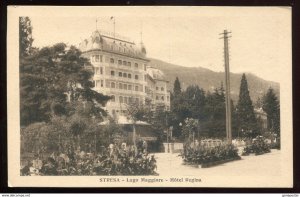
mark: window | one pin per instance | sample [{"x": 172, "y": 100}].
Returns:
[
  {"x": 120, "y": 74},
  {"x": 136, "y": 65},
  {"x": 130, "y": 99},
  {"x": 113, "y": 99},
  {"x": 162, "y": 98},
  {"x": 97, "y": 71},
  {"x": 124, "y": 74},
  {"x": 136, "y": 77},
  {"x": 129, "y": 64},
  {"x": 120, "y": 62},
  {"x": 145, "y": 67},
  {"x": 124, "y": 63},
  {"x": 125, "y": 86},
  {"x": 168, "y": 98},
  {"x": 137, "y": 100},
  {"x": 112, "y": 73},
  {"x": 97, "y": 83},
  {"x": 120, "y": 86},
  {"x": 156, "y": 97},
  {"x": 162, "y": 89},
  {"x": 113, "y": 85},
  {"x": 125, "y": 100},
  {"x": 129, "y": 87},
  {"x": 121, "y": 99},
  {"x": 124, "y": 50},
  {"x": 136, "y": 88},
  {"x": 101, "y": 70},
  {"x": 129, "y": 75},
  {"x": 156, "y": 88},
  {"x": 97, "y": 58},
  {"x": 101, "y": 83},
  {"x": 112, "y": 60}
]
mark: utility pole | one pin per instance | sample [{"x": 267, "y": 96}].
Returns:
[{"x": 227, "y": 86}]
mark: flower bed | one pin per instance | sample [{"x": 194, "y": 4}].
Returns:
[
  {"x": 209, "y": 156},
  {"x": 258, "y": 146},
  {"x": 116, "y": 161}
]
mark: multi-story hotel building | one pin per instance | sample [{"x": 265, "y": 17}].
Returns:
[
  {"x": 121, "y": 71},
  {"x": 156, "y": 88}
]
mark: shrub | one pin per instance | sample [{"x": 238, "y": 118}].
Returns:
[
  {"x": 258, "y": 146},
  {"x": 203, "y": 154}
]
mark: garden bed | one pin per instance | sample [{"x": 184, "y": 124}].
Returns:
[
  {"x": 215, "y": 163},
  {"x": 209, "y": 156},
  {"x": 211, "y": 164}
]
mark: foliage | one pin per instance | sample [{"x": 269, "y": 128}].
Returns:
[
  {"x": 25, "y": 36},
  {"x": 215, "y": 124},
  {"x": 115, "y": 160},
  {"x": 177, "y": 87},
  {"x": 54, "y": 81},
  {"x": 245, "y": 111},
  {"x": 202, "y": 154},
  {"x": 190, "y": 128},
  {"x": 208, "y": 108},
  {"x": 258, "y": 146},
  {"x": 271, "y": 106},
  {"x": 62, "y": 132},
  {"x": 112, "y": 133}
]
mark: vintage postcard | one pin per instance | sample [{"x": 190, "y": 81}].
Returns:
[{"x": 149, "y": 96}]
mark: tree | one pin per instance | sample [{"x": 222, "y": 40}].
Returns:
[
  {"x": 245, "y": 111},
  {"x": 214, "y": 124},
  {"x": 271, "y": 106},
  {"x": 258, "y": 103},
  {"x": 55, "y": 81},
  {"x": 177, "y": 87},
  {"x": 25, "y": 36},
  {"x": 195, "y": 98},
  {"x": 190, "y": 129}
]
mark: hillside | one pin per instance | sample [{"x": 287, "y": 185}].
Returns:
[{"x": 209, "y": 80}]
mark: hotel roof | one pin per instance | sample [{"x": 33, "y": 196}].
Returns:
[{"x": 98, "y": 41}]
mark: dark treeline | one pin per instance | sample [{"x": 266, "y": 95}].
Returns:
[{"x": 208, "y": 108}]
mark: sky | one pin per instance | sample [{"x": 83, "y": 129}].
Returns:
[{"x": 186, "y": 36}]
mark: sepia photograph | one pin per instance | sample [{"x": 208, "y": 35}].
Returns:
[{"x": 149, "y": 96}]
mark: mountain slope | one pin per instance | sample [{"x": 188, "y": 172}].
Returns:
[{"x": 209, "y": 80}]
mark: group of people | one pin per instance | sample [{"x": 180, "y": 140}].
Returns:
[{"x": 113, "y": 160}]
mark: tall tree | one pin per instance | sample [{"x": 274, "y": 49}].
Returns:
[
  {"x": 177, "y": 87},
  {"x": 195, "y": 98},
  {"x": 245, "y": 111},
  {"x": 214, "y": 124},
  {"x": 25, "y": 36},
  {"x": 271, "y": 106},
  {"x": 54, "y": 80}
]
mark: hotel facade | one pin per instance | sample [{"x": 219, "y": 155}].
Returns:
[{"x": 121, "y": 70}]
